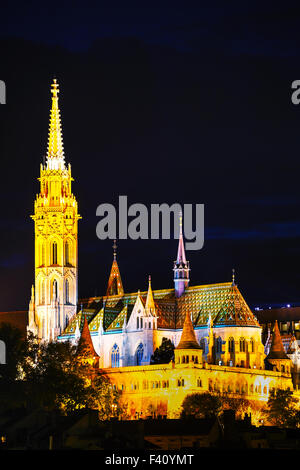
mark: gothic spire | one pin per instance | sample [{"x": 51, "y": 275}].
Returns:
[
  {"x": 181, "y": 265},
  {"x": 115, "y": 286},
  {"x": 181, "y": 252},
  {"x": 55, "y": 151},
  {"x": 150, "y": 306}
]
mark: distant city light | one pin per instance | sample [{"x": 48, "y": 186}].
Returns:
[{"x": 288, "y": 305}]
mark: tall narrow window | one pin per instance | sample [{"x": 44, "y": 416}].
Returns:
[
  {"x": 139, "y": 354},
  {"x": 219, "y": 345},
  {"x": 54, "y": 253},
  {"x": 231, "y": 345},
  {"x": 67, "y": 292},
  {"x": 242, "y": 345},
  {"x": 42, "y": 286},
  {"x": 42, "y": 254},
  {"x": 115, "y": 356},
  {"x": 67, "y": 253},
  {"x": 54, "y": 290}
]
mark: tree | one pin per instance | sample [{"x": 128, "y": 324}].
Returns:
[
  {"x": 239, "y": 405},
  {"x": 106, "y": 399},
  {"x": 11, "y": 389},
  {"x": 281, "y": 409},
  {"x": 164, "y": 354},
  {"x": 201, "y": 405},
  {"x": 51, "y": 376},
  {"x": 15, "y": 349}
]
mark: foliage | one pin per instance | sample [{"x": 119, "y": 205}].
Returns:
[
  {"x": 239, "y": 405},
  {"x": 282, "y": 410},
  {"x": 105, "y": 399},
  {"x": 164, "y": 354},
  {"x": 204, "y": 404},
  {"x": 15, "y": 348},
  {"x": 201, "y": 405},
  {"x": 52, "y": 376}
]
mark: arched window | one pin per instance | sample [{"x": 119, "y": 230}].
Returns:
[
  {"x": 219, "y": 345},
  {"x": 54, "y": 253},
  {"x": 42, "y": 293},
  {"x": 41, "y": 261},
  {"x": 242, "y": 345},
  {"x": 139, "y": 354},
  {"x": 115, "y": 356},
  {"x": 43, "y": 254},
  {"x": 54, "y": 290},
  {"x": 67, "y": 292},
  {"x": 231, "y": 345},
  {"x": 137, "y": 323},
  {"x": 67, "y": 253},
  {"x": 203, "y": 345}
]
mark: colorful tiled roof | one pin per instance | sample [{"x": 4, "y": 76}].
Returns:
[
  {"x": 235, "y": 311},
  {"x": 223, "y": 301}
]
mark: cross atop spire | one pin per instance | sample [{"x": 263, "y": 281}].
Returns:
[
  {"x": 115, "y": 249},
  {"x": 233, "y": 276},
  {"x": 55, "y": 151}
]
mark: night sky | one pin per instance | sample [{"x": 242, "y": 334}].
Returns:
[{"x": 162, "y": 105}]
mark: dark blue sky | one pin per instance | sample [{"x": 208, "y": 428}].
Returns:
[{"x": 164, "y": 105}]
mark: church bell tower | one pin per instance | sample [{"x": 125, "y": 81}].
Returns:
[{"x": 54, "y": 299}]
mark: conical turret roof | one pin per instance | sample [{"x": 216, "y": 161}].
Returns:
[
  {"x": 85, "y": 345},
  {"x": 276, "y": 349},
  {"x": 188, "y": 338}
]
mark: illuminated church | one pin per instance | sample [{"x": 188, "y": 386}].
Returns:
[{"x": 216, "y": 336}]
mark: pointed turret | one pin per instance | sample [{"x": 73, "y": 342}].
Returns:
[
  {"x": 181, "y": 265},
  {"x": 115, "y": 286},
  {"x": 31, "y": 314},
  {"x": 150, "y": 306},
  {"x": 276, "y": 349},
  {"x": 55, "y": 151},
  {"x": 188, "y": 350},
  {"x": 85, "y": 346},
  {"x": 277, "y": 357},
  {"x": 188, "y": 338},
  {"x": 210, "y": 356}
]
